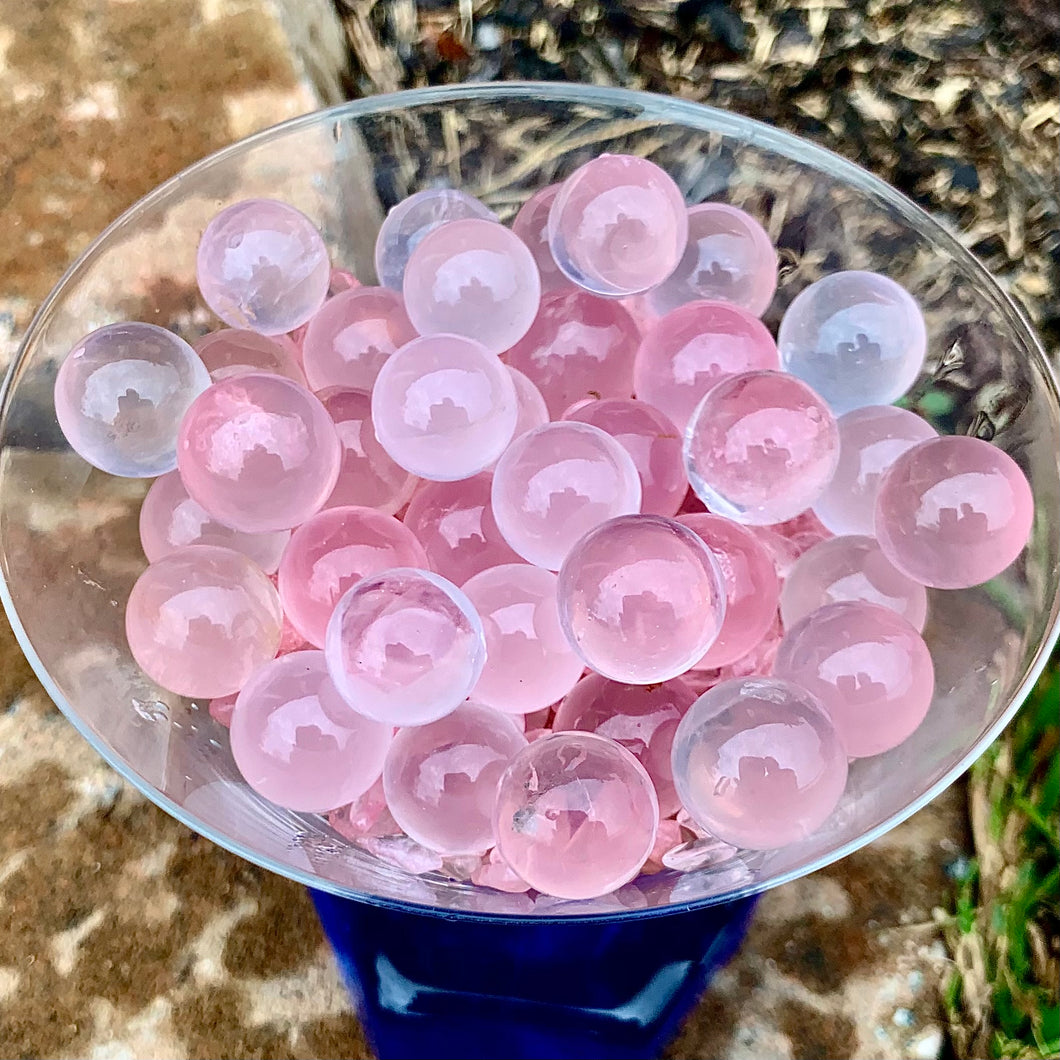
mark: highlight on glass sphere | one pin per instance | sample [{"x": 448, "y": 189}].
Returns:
[
  {"x": 760, "y": 448},
  {"x": 557, "y": 482},
  {"x": 757, "y": 762},
  {"x": 618, "y": 225},
  {"x": 201, "y": 620},
  {"x": 120, "y": 395},
  {"x": 641, "y": 598},
  {"x": 297, "y": 743},
  {"x": 576, "y": 815},
  {"x": 263, "y": 265},
  {"x": 857, "y": 338},
  {"x": 532, "y": 410},
  {"x": 259, "y": 452},
  {"x": 473, "y": 278},
  {"x": 531, "y": 226},
  {"x": 235, "y": 351},
  {"x": 440, "y": 779},
  {"x": 870, "y": 669},
  {"x": 953, "y": 512},
  {"x": 405, "y": 647}
]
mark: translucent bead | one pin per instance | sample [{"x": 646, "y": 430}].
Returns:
[
  {"x": 953, "y": 512},
  {"x": 259, "y": 452},
  {"x": 529, "y": 664},
  {"x": 851, "y": 568},
  {"x": 263, "y": 265},
  {"x": 556, "y": 483},
  {"x": 236, "y": 351},
  {"x": 576, "y": 815},
  {"x": 441, "y": 779},
  {"x": 641, "y": 598},
  {"x": 332, "y": 551},
  {"x": 473, "y": 278},
  {"x": 201, "y": 620},
  {"x": 297, "y": 743},
  {"x": 352, "y": 335},
  {"x": 411, "y": 219},
  {"x": 856, "y": 337},
  {"x": 752, "y": 588},
  {"x": 870, "y": 440},
  {"x": 578, "y": 347},
  {"x": 444, "y": 407},
  {"x": 760, "y": 448},
  {"x": 405, "y": 647},
  {"x": 869, "y": 668},
  {"x": 121, "y": 393},
  {"x": 685, "y": 353},
  {"x": 531, "y": 226},
  {"x": 532, "y": 410},
  {"x": 618, "y": 225},
  {"x": 643, "y": 719},
  {"x": 729, "y": 258},
  {"x": 170, "y": 520},
  {"x": 757, "y": 763}
]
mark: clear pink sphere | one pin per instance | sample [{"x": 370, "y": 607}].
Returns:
[
  {"x": 351, "y": 336},
  {"x": 263, "y": 265},
  {"x": 332, "y": 551},
  {"x": 201, "y": 620},
  {"x": 556, "y": 483},
  {"x": 473, "y": 278},
  {"x": 842, "y": 569},
  {"x": 869, "y": 668},
  {"x": 641, "y": 598},
  {"x": 236, "y": 351},
  {"x": 578, "y": 347},
  {"x": 259, "y": 452},
  {"x": 170, "y": 520},
  {"x": 576, "y": 815},
  {"x": 531, "y": 226},
  {"x": 757, "y": 763},
  {"x": 405, "y": 647},
  {"x": 760, "y": 448},
  {"x": 618, "y": 225},
  {"x": 870, "y": 440},
  {"x": 444, "y": 407},
  {"x": 441, "y": 779},
  {"x": 529, "y": 664},
  {"x": 953, "y": 512},
  {"x": 643, "y": 719},
  {"x": 729, "y": 258},
  {"x": 297, "y": 743},
  {"x": 121, "y": 393},
  {"x": 532, "y": 410},
  {"x": 685, "y": 353},
  {"x": 752, "y": 588}
]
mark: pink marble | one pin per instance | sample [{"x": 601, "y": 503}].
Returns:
[
  {"x": 532, "y": 410},
  {"x": 531, "y": 226},
  {"x": 235, "y": 351}
]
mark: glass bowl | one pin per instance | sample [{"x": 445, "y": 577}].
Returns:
[{"x": 68, "y": 534}]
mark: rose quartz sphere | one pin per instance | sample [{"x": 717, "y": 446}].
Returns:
[
  {"x": 441, "y": 779},
  {"x": 297, "y": 743},
  {"x": 868, "y": 666},
  {"x": 618, "y": 225},
  {"x": 752, "y": 588},
  {"x": 263, "y": 265},
  {"x": 757, "y": 763},
  {"x": 332, "y": 551},
  {"x": 578, "y": 347},
  {"x": 729, "y": 258},
  {"x": 761, "y": 448},
  {"x": 853, "y": 568},
  {"x": 683, "y": 354},
  {"x": 201, "y": 620},
  {"x": 532, "y": 410},
  {"x": 474, "y": 278},
  {"x": 576, "y": 815},
  {"x": 643, "y": 719},
  {"x": 529, "y": 664},
  {"x": 236, "y": 351},
  {"x": 954, "y": 512},
  {"x": 641, "y": 598},
  {"x": 531, "y": 226},
  {"x": 556, "y": 483},
  {"x": 870, "y": 440},
  {"x": 352, "y": 335}
]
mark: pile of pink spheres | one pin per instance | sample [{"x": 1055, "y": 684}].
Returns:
[{"x": 430, "y": 549}]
